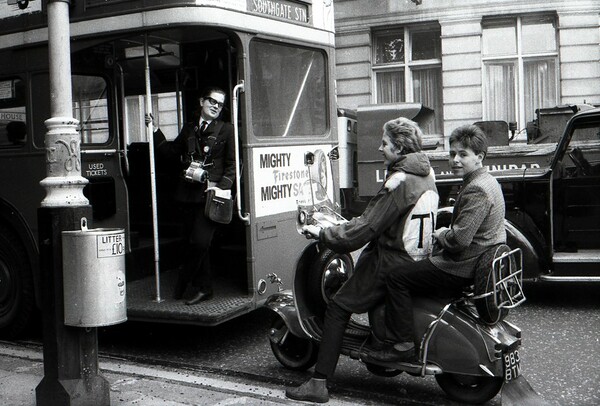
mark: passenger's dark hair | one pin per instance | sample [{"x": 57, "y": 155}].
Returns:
[
  {"x": 470, "y": 136},
  {"x": 207, "y": 91},
  {"x": 405, "y": 134}
]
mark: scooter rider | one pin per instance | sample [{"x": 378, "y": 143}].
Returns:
[
  {"x": 477, "y": 224},
  {"x": 397, "y": 225}
]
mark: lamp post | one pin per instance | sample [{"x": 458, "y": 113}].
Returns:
[{"x": 70, "y": 353}]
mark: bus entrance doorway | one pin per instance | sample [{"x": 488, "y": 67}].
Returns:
[{"x": 174, "y": 78}]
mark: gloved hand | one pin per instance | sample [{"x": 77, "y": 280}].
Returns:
[{"x": 311, "y": 231}]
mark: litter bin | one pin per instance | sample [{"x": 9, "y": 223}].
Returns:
[{"x": 94, "y": 276}]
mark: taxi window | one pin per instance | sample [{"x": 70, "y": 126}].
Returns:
[
  {"x": 13, "y": 127},
  {"x": 586, "y": 134},
  {"x": 289, "y": 90}
]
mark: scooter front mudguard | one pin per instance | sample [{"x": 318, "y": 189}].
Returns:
[{"x": 283, "y": 304}]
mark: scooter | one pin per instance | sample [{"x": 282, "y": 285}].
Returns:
[{"x": 466, "y": 344}]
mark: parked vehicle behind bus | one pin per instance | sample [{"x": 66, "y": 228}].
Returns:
[
  {"x": 276, "y": 65},
  {"x": 551, "y": 184}
]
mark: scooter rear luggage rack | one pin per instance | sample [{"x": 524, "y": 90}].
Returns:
[{"x": 509, "y": 286}]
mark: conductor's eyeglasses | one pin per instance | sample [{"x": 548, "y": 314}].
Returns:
[{"x": 213, "y": 102}]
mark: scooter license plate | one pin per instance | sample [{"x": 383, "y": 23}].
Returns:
[{"x": 512, "y": 365}]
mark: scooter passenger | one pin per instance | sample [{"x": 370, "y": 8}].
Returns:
[
  {"x": 477, "y": 224},
  {"x": 397, "y": 225}
]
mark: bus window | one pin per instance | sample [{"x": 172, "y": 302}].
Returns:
[
  {"x": 13, "y": 130},
  {"x": 164, "y": 109},
  {"x": 289, "y": 90},
  {"x": 90, "y": 107}
]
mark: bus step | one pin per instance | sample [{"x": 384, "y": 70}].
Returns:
[{"x": 227, "y": 303}]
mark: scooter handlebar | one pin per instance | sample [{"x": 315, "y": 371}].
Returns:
[{"x": 311, "y": 231}]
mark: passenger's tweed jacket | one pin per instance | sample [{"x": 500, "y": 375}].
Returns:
[{"x": 477, "y": 224}]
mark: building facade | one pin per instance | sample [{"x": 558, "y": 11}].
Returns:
[{"x": 469, "y": 60}]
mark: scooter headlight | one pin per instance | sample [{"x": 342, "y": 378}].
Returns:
[{"x": 302, "y": 216}]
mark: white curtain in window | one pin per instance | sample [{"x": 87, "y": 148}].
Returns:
[
  {"x": 500, "y": 92},
  {"x": 390, "y": 87},
  {"x": 427, "y": 89},
  {"x": 540, "y": 86}
]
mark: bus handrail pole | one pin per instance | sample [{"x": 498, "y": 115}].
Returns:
[
  {"x": 149, "y": 133},
  {"x": 178, "y": 99},
  {"x": 237, "y": 89},
  {"x": 125, "y": 117}
]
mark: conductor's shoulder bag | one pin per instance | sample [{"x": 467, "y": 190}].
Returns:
[{"x": 218, "y": 208}]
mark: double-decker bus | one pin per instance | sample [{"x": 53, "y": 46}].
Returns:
[{"x": 275, "y": 59}]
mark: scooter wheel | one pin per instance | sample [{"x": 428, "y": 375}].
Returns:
[
  {"x": 469, "y": 389},
  {"x": 327, "y": 275},
  {"x": 295, "y": 353}
]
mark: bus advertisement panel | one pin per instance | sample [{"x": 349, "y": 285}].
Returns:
[{"x": 280, "y": 175}]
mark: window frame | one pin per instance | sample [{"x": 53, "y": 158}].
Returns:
[
  {"x": 287, "y": 136},
  {"x": 518, "y": 60},
  {"x": 86, "y": 128},
  {"x": 408, "y": 66},
  {"x": 24, "y": 88}
]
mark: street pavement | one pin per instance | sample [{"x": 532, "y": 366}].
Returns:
[{"x": 22, "y": 368}]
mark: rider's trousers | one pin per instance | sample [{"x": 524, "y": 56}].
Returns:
[
  {"x": 336, "y": 320},
  {"x": 422, "y": 278}
]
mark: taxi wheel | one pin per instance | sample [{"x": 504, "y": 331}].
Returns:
[
  {"x": 327, "y": 275},
  {"x": 469, "y": 389},
  {"x": 17, "y": 300},
  {"x": 295, "y": 353}
]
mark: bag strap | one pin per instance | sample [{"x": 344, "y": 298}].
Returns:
[{"x": 217, "y": 130}]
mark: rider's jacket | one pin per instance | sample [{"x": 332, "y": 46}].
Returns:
[
  {"x": 400, "y": 217},
  {"x": 397, "y": 225},
  {"x": 477, "y": 224}
]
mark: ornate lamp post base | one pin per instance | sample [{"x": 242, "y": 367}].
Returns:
[{"x": 71, "y": 372}]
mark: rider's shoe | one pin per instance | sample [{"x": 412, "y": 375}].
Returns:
[
  {"x": 395, "y": 353},
  {"x": 313, "y": 390}
]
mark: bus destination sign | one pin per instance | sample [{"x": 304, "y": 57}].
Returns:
[{"x": 286, "y": 10}]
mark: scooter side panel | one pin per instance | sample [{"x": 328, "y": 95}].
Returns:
[
  {"x": 454, "y": 346},
  {"x": 459, "y": 344}
]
